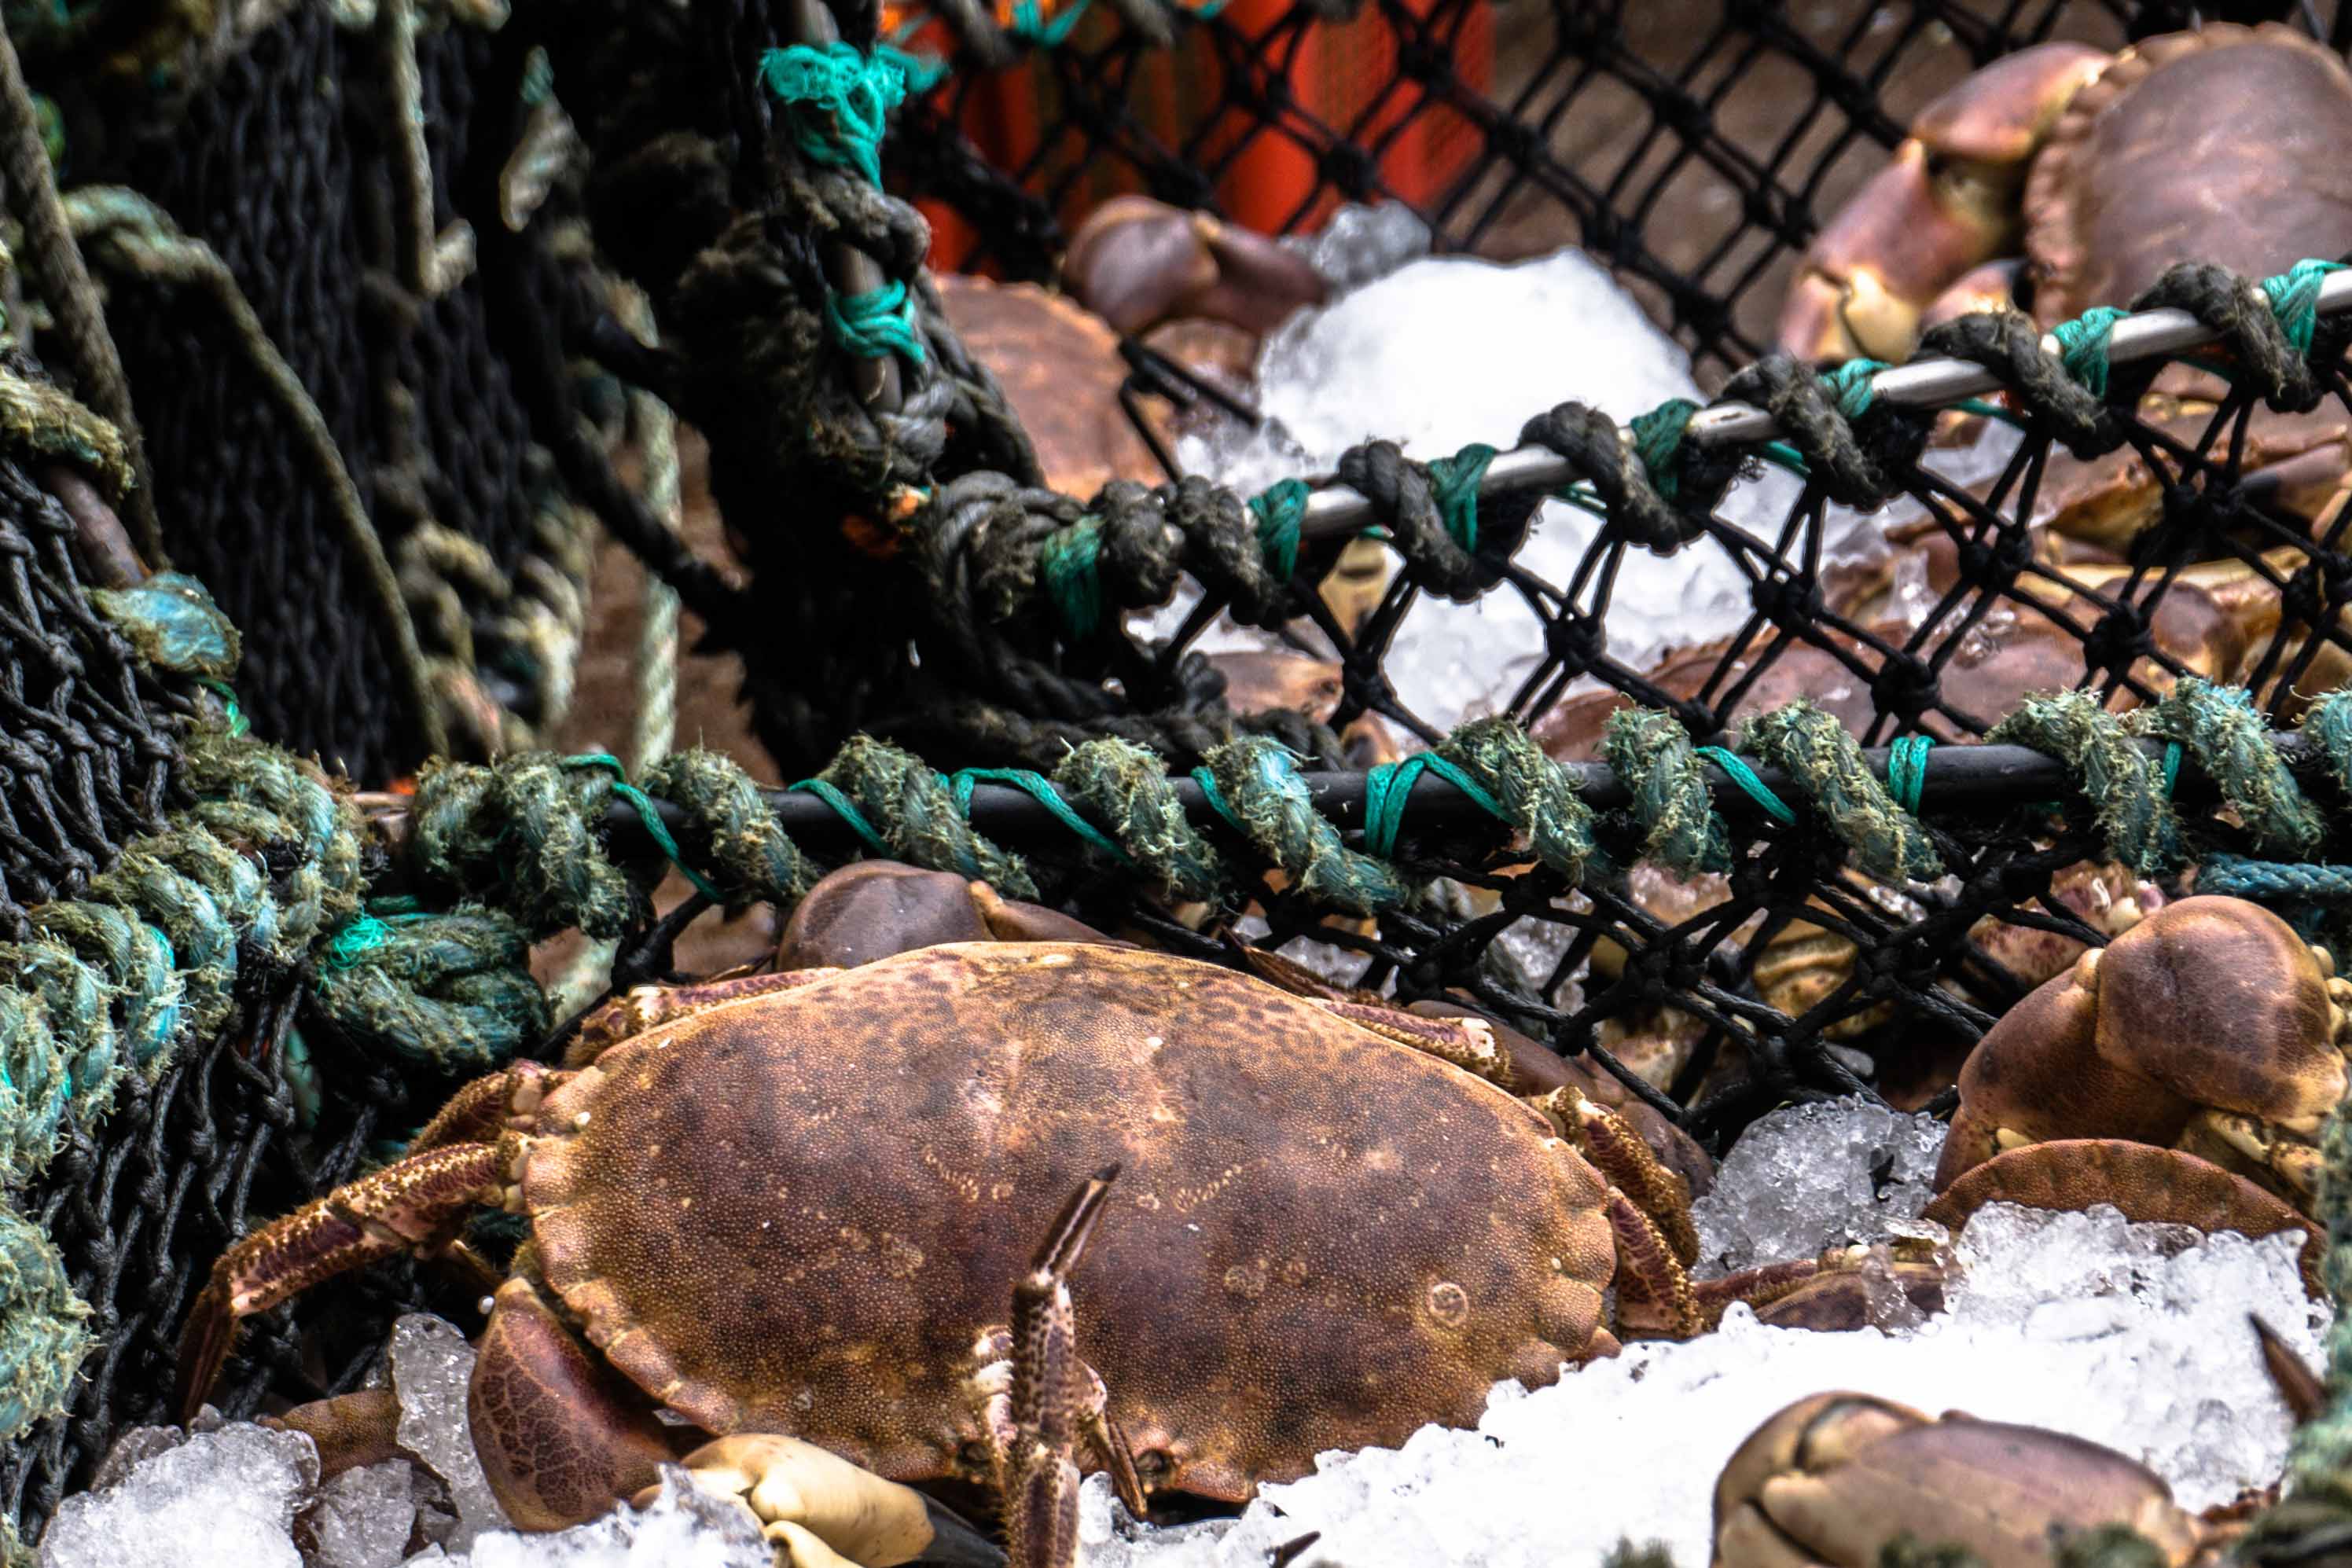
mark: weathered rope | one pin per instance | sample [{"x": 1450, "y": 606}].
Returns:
[
  {"x": 57, "y": 264},
  {"x": 129, "y": 235}
]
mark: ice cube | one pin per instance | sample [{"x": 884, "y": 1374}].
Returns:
[
  {"x": 363, "y": 1518},
  {"x": 222, "y": 1499},
  {"x": 1813, "y": 1176},
  {"x": 431, "y": 1363}
]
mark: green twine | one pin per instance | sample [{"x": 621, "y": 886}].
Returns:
[
  {"x": 238, "y": 725},
  {"x": 1041, "y": 789},
  {"x": 1388, "y": 786},
  {"x": 1453, "y": 483},
  {"x": 837, "y": 102},
  {"x": 647, "y": 813},
  {"x": 2294, "y": 299},
  {"x": 1907, "y": 770},
  {"x": 843, "y": 808},
  {"x": 1216, "y": 799},
  {"x": 1030, "y": 22},
  {"x": 1067, "y": 559},
  {"x": 356, "y": 941},
  {"x": 1851, "y": 386},
  {"x": 2083, "y": 346},
  {"x": 874, "y": 325},
  {"x": 1658, "y": 442},
  {"x": 1745, "y": 777},
  {"x": 1280, "y": 508},
  {"x": 1978, "y": 405}
]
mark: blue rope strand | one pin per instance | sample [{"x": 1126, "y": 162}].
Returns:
[
  {"x": 875, "y": 324},
  {"x": 1745, "y": 777},
  {"x": 1907, "y": 770},
  {"x": 1454, "y": 482},
  {"x": 1041, "y": 788},
  {"x": 1280, "y": 508},
  {"x": 1388, "y": 786}
]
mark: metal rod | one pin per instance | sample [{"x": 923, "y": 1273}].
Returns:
[
  {"x": 1923, "y": 383},
  {"x": 1957, "y": 777}
]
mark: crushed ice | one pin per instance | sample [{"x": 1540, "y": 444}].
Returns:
[
  {"x": 2130, "y": 1335},
  {"x": 1808, "y": 1177}
]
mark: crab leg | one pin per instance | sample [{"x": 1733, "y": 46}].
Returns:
[
  {"x": 415, "y": 1204},
  {"x": 1035, "y": 1423},
  {"x": 1626, "y": 1159}
]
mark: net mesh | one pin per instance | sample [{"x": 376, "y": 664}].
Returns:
[{"x": 1695, "y": 159}]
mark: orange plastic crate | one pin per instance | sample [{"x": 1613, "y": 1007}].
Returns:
[{"x": 1341, "y": 75}]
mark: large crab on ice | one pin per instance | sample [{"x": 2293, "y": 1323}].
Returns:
[{"x": 793, "y": 1206}]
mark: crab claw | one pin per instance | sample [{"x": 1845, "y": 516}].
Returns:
[
  {"x": 1138, "y": 263},
  {"x": 1947, "y": 203},
  {"x": 822, "y": 1510}
]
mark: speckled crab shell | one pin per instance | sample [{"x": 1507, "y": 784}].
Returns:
[
  {"x": 2159, "y": 159},
  {"x": 796, "y": 1213}
]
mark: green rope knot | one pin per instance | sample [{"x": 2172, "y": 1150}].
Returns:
[
  {"x": 649, "y": 814},
  {"x": 1534, "y": 794},
  {"x": 453, "y": 990},
  {"x": 1280, "y": 508},
  {"x": 837, "y": 102},
  {"x": 2231, "y": 742},
  {"x": 1066, "y": 561},
  {"x": 1126, "y": 788},
  {"x": 1653, "y": 756},
  {"x": 2083, "y": 346},
  {"x": 1453, "y": 483},
  {"x": 912, "y": 814},
  {"x": 1254, "y": 784},
  {"x": 2294, "y": 299},
  {"x": 875, "y": 324},
  {"x": 1822, "y": 760},
  {"x": 728, "y": 829},
  {"x": 2132, "y": 807}
]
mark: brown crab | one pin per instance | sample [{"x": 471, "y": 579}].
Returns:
[
  {"x": 792, "y": 1205},
  {"x": 2209, "y": 1026},
  {"x": 1830, "y": 1481},
  {"x": 2099, "y": 172}
]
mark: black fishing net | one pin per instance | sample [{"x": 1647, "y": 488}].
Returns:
[
  {"x": 2199, "y": 536},
  {"x": 278, "y": 153}
]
